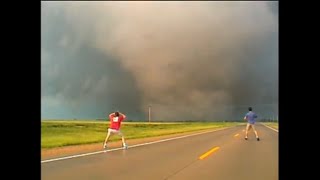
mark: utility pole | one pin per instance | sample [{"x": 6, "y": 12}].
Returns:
[{"x": 149, "y": 113}]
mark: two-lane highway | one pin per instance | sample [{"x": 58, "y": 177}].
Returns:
[{"x": 217, "y": 155}]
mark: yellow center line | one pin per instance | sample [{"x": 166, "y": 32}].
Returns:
[
  {"x": 236, "y": 135},
  {"x": 208, "y": 153}
]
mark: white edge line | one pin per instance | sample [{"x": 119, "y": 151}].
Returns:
[
  {"x": 137, "y": 145},
  {"x": 270, "y": 128}
]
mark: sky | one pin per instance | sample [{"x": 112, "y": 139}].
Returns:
[{"x": 186, "y": 60}]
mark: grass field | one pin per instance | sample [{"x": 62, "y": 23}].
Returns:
[
  {"x": 64, "y": 133},
  {"x": 274, "y": 125}
]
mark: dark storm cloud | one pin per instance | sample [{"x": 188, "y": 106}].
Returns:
[{"x": 189, "y": 60}]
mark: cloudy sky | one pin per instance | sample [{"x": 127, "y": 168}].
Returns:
[{"x": 188, "y": 60}]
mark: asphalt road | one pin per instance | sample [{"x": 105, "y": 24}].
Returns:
[{"x": 225, "y": 156}]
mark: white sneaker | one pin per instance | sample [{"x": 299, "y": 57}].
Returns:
[
  {"x": 125, "y": 146},
  {"x": 105, "y": 146}
]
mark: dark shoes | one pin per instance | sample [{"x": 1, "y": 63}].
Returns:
[{"x": 258, "y": 139}]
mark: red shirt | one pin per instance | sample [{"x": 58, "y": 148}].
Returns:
[{"x": 115, "y": 122}]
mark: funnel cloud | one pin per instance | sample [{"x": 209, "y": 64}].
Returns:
[{"x": 187, "y": 60}]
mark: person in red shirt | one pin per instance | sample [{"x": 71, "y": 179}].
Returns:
[{"x": 115, "y": 123}]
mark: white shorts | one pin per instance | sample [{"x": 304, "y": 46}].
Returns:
[
  {"x": 114, "y": 131},
  {"x": 250, "y": 125}
]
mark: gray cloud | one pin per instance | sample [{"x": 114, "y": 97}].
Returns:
[{"x": 189, "y": 60}]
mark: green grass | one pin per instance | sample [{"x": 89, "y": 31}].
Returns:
[
  {"x": 64, "y": 133},
  {"x": 274, "y": 125}
]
